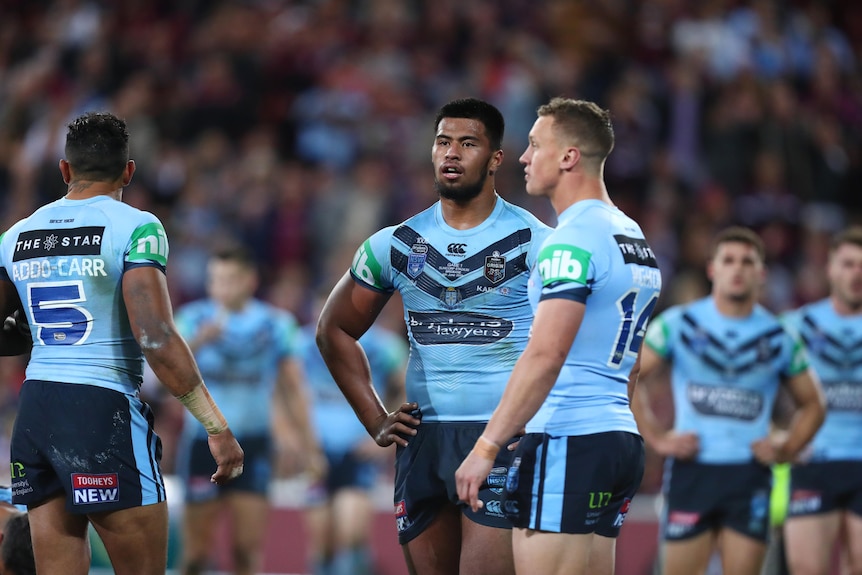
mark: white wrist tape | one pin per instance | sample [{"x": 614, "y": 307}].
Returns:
[{"x": 200, "y": 404}]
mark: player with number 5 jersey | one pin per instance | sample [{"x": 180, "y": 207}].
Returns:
[{"x": 88, "y": 273}]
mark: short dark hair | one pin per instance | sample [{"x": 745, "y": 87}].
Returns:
[
  {"x": 584, "y": 123},
  {"x": 739, "y": 234},
  {"x": 16, "y": 549},
  {"x": 238, "y": 254},
  {"x": 97, "y": 146},
  {"x": 851, "y": 235},
  {"x": 474, "y": 109}
]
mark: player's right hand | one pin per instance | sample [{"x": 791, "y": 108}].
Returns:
[
  {"x": 679, "y": 445},
  {"x": 396, "y": 425},
  {"x": 228, "y": 456}
]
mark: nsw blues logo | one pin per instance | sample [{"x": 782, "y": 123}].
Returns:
[
  {"x": 416, "y": 258},
  {"x": 451, "y": 297},
  {"x": 512, "y": 476}
]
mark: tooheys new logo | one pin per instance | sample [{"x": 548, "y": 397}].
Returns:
[{"x": 563, "y": 263}]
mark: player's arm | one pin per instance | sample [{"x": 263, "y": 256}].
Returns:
[
  {"x": 348, "y": 312},
  {"x": 15, "y": 336},
  {"x": 145, "y": 293},
  {"x": 293, "y": 398},
  {"x": 810, "y": 412}
]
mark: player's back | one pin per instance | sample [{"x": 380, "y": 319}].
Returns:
[
  {"x": 598, "y": 255},
  {"x": 67, "y": 262},
  {"x": 465, "y": 303},
  {"x": 834, "y": 345}
]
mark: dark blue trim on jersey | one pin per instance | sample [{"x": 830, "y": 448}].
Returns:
[
  {"x": 144, "y": 264},
  {"x": 725, "y": 364},
  {"x": 541, "y": 487},
  {"x": 365, "y": 284},
  {"x": 147, "y": 413},
  {"x": 579, "y": 295},
  {"x": 841, "y": 350},
  {"x": 434, "y": 260}
]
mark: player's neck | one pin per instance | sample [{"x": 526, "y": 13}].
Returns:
[
  {"x": 468, "y": 215},
  {"x": 574, "y": 190},
  {"x": 83, "y": 189},
  {"x": 844, "y": 308},
  {"x": 730, "y": 307}
]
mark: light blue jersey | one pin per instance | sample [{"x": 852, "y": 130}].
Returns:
[
  {"x": 834, "y": 345},
  {"x": 725, "y": 375},
  {"x": 338, "y": 429},
  {"x": 597, "y": 256},
  {"x": 465, "y": 303},
  {"x": 67, "y": 262},
  {"x": 240, "y": 367}
]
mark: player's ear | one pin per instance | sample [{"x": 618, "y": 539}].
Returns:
[{"x": 65, "y": 171}]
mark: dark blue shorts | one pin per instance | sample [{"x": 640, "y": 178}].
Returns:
[
  {"x": 195, "y": 465},
  {"x": 346, "y": 471},
  {"x": 701, "y": 497},
  {"x": 425, "y": 478},
  {"x": 96, "y": 445},
  {"x": 576, "y": 484},
  {"x": 821, "y": 487}
]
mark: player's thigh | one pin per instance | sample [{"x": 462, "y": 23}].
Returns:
[
  {"x": 199, "y": 524},
  {"x": 250, "y": 514},
  {"x": 319, "y": 525},
  {"x": 545, "y": 553},
  {"x": 853, "y": 542},
  {"x": 136, "y": 538},
  {"x": 741, "y": 554},
  {"x": 688, "y": 556},
  {"x": 436, "y": 550},
  {"x": 486, "y": 549},
  {"x": 808, "y": 541},
  {"x": 60, "y": 544},
  {"x": 355, "y": 512}
]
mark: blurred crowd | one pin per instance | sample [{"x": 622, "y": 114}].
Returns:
[{"x": 301, "y": 127}]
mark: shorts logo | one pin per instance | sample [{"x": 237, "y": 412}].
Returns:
[
  {"x": 402, "y": 522},
  {"x": 495, "y": 268},
  {"x": 681, "y": 522},
  {"x": 804, "y": 501},
  {"x": 95, "y": 488},
  {"x": 621, "y": 516},
  {"x": 512, "y": 476},
  {"x": 497, "y": 480},
  {"x": 494, "y": 507}
]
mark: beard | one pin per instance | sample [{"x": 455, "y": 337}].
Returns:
[{"x": 463, "y": 193}]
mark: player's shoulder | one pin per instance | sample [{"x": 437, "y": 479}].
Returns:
[{"x": 525, "y": 216}]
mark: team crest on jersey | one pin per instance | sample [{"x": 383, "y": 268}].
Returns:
[
  {"x": 451, "y": 297},
  {"x": 495, "y": 267},
  {"x": 416, "y": 258}
]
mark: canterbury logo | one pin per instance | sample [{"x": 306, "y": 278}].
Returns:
[{"x": 456, "y": 249}]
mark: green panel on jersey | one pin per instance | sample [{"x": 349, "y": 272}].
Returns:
[
  {"x": 149, "y": 242},
  {"x": 563, "y": 263},
  {"x": 366, "y": 266},
  {"x": 657, "y": 336},
  {"x": 799, "y": 362}
]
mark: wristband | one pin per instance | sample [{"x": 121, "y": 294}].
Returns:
[
  {"x": 486, "y": 449},
  {"x": 200, "y": 404}
]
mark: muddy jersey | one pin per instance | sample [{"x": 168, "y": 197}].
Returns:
[
  {"x": 596, "y": 256},
  {"x": 725, "y": 374},
  {"x": 337, "y": 427},
  {"x": 465, "y": 303},
  {"x": 67, "y": 262},
  {"x": 241, "y": 365},
  {"x": 834, "y": 346}
]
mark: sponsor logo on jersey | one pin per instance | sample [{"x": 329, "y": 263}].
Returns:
[
  {"x": 636, "y": 251},
  {"x": 843, "y": 395},
  {"x": 434, "y": 328},
  {"x": 149, "y": 242},
  {"x": 495, "y": 267},
  {"x": 90, "y": 488},
  {"x": 83, "y": 241},
  {"x": 563, "y": 263},
  {"x": 732, "y": 402},
  {"x": 451, "y": 297},
  {"x": 457, "y": 249},
  {"x": 365, "y": 266}
]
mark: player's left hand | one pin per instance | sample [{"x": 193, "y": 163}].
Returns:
[
  {"x": 770, "y": 449},
  {"x": 470, "y": 476}
]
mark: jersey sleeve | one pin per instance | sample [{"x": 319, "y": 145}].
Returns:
[
  {"x": 570, "y": 264},
  {"x": 795, "y": 353},
  {"x": 659, "y": 335},
  {"x": 288, "y": 335},
  {"x": 148, "y": 244},
  {"x": 372, "y": 265}
]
